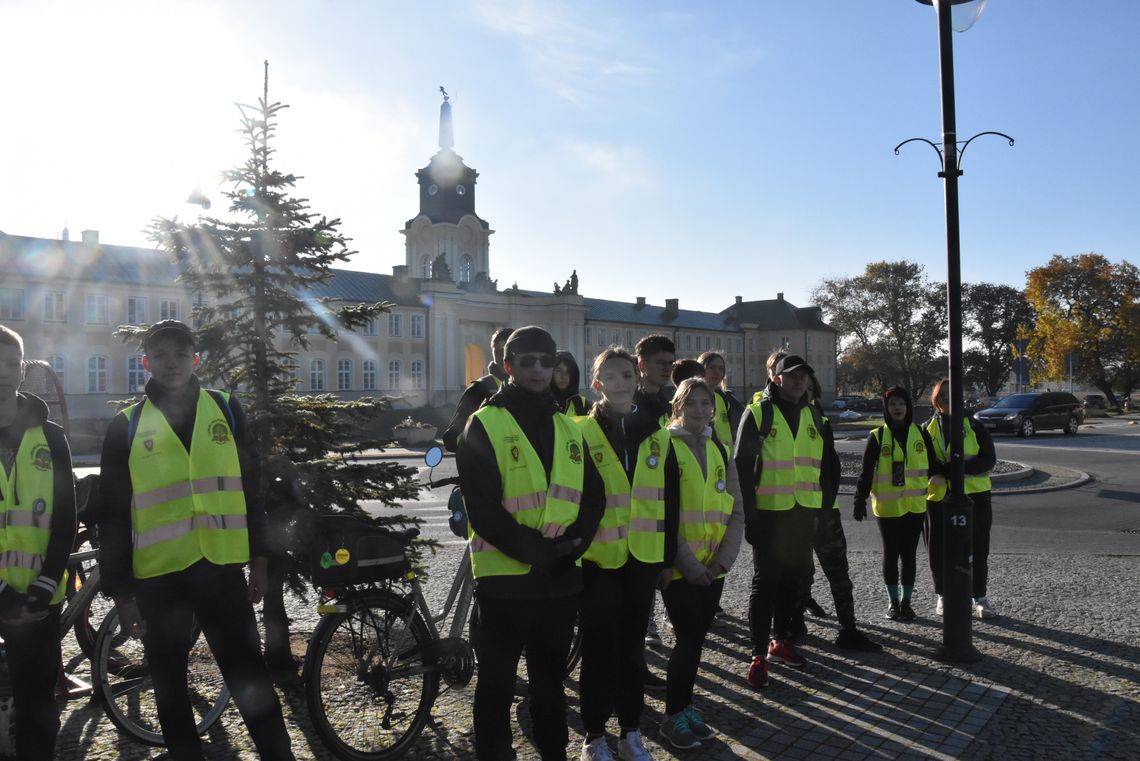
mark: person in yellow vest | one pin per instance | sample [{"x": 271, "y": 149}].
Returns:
[
  {"x": 534, "y": 500},
  {"x": 896, "y": 472},
  {"x": 789, "y": 474},
  {"x": 708, "y": 541},
  {"x": 729, "y": 409},
  {"x": 564, "y": 386},
  {"x": 181, "y": 516},
  {"x": 478, "y": 391},
  {"x": 979, "y": 459},
  {"x": 37, "y": 510},
  {"x": 636, "y": 538}
]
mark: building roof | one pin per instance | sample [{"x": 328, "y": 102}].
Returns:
[
  {"x": 777, "y": 314},
  {"x": 46, "y": 259},
  {"x": 351, "y": 285},
  {"x": 603, "y": 310}
]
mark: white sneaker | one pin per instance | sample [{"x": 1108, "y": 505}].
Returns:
[
  {"x": 983, "y": 609},
  {"x": 632, "y": 748},
  {"x": 652, "y": 637},
  {"x": 596, "y": 750},
  {"x": 938, "y": 606}
]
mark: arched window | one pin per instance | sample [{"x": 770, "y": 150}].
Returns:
[
  {"x": 394, "y": 373},
  {"x": 317, "y": 375},
  {"x": 136, "y": 374},
  {"x": 59, "y": 365},
  {"x": 97, "y": 375},
  {"x": 417, "y": 373},
  {"x": 344, "y": 375},
  {"x": 425, "y": 268},
  {"x": 465, "y": 266},
  {"x": 369, "y": 371}
]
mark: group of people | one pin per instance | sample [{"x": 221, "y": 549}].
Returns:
[{"x": 588, "y": 509}]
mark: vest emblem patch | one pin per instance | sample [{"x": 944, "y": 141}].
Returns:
[
  {"x": 918, "y": 447},
  {"x": 598, "y": 457},
  {"x": 39, "y": 507},
  {"x": 772, "y": 432},
  {"x": 41, "y": 458},
  {"x": 575, "y": 453},
  {"x": 219, "y": 432},
  {"x": 148, "y": 444},
  {"x": 515, "y": 453},
  {"x": 812, "y": 433}
]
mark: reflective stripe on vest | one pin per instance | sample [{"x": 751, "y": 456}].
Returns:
[
  {"x": 187, "y": 505},
  {"x": 970, "y": 448},
  {"x": 531, "y": 501},
  {"x": 706, "y": 504},
  {"x": 27, "y": 498},
  {"x": 888, "y": 500},
  {"x": 791, "y": 467}
]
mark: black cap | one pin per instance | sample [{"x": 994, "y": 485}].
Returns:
[
  {"x": 172, "y": 328},
  {"x": 792, "y": 362},
  {"x": 530, "y": 340}
]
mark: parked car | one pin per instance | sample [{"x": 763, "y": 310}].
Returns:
[
  {"x": 1026, "y": 414},
  {"x": 850, "y": 415},
  {"x": 1095, "y": 402}
]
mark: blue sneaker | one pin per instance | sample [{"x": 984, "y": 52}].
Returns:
[
  {"x": 675, "y": 731},
  {"x": 699, "y": 729}
]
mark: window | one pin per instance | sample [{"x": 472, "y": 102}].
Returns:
[
  {"x": 786, "y": 343},
  {"x": 617, "y": 337},
  {"x": 587, "y": 335},
  {"x": 465, "y": 269},
  {"x": 294, "y": 369},
  {"x": 136, "y": 373},
  {"x": 369, "y": 370},
  {"x": 11, "y": 303},
  {"x": 196, "y": 307},
  {"x": 97, "y": 375},
  {"x": 394, "y": 373},
  {"x": 59, "y": 365},
  {"x": 688, "y": 342},
  {"x": 718, "y": 342},
  {"x": 417, "y": 373},
  {"x": 395, "y": 324},
  {"x": 96, "y": 309},
  {"x": 168, "y": 309},
  {"x": 425, "y": 268},
  {"x": 317, "y": 375},
  {"x": 708, "y": 343},
  {"x": 739, "y": 345},
  {"x": 54, "y": 310},
  {"x": 136, "y": 310},
  {"x": 344, "y": 375},
  {"x": 370, "y": 328},
  {"x": 628, "y": 339},
  {"x": 807, "y": 341},
  {"x": 417, "y": 326}
]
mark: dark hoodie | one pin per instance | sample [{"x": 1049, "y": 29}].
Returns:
[
  {"x": 569, "y": 400},
  {"x": 479, "y": 391},
  {"x": 31, "y": 411},
  {"x": 899, "y": 431},
  {"x": 553, "y": 573}
]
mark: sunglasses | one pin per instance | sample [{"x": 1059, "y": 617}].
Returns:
[{"x": 530, "y": 360}]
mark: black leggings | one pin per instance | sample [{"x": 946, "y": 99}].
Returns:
[
  {"x": 900, "y": 543},
  {"x": 983, "y": 521},
  {"x": 691, "y": 609}
]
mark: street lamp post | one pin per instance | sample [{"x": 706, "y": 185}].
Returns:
[{"x": 958, "y": 509}]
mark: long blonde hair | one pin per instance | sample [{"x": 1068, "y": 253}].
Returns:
[{"x": 684, "y": 391}]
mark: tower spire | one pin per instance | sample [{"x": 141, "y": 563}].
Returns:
[{"x": 446, "y": 137}]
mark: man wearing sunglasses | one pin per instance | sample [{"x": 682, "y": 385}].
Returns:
[{"x": 534, "y": 500}]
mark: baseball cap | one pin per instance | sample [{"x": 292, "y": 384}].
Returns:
[
  {"x": 169, "y": 328},
  {"x": 792, "y": 362}
]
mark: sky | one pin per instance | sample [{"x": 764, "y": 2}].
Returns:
[{"x": 697, "y": 151}]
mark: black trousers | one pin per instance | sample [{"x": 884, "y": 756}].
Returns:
[
  {"x": 216, "y": 597},
  {"x": 983, "y": 522},
  {"x": 900, "y": 544},
  {"x": 616, "y": 605},
  {"x": 830, "y": 545},
  {"x": 33, "y": 655},
  {"x": 544, "y": 628},
  {"x": 781, "y": 559},
  {"x": 691, "y": 609}
]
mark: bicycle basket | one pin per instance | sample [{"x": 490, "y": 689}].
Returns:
[{"x": 349, "y": 550}]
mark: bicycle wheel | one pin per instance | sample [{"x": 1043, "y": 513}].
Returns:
[
  {"x": 365, "y": 700},
  {"x": 575, "y": 653},
  {"x": 86, "y": 627},
  {"x": 124, "y": 686}
]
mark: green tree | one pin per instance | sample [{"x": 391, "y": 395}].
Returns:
[
  {"x": 1086, "y": 305},
  {"x": 992, "y": 316},
  {"x": 255, "y": 272}
]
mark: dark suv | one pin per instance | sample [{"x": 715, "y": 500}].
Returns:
[{"x": 1026, "y": 414}]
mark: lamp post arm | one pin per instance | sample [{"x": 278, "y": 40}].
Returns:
[
  {"x": 962, "y": 152},
  {"x": 921, "y": 140}
]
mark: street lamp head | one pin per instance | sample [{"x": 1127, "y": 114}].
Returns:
[{"x": 967, "y": 16}]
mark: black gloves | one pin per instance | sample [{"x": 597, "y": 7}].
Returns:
[{"x": 860, "y": 509}]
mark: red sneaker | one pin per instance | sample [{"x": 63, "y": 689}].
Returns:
[
  {"x": 758, "y": 672},
  {"x": 782, "y": 651}
]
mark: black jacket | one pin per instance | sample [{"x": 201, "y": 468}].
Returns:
[
  {"x": 472, "y": 398},
  {"x": 981, "y": 463},
  {"x": 570, "y": 401},
  {"x": 115, "y": 534},
  {"x": 31, "y": 411},
  {"x": 655, "y": 405},
  {"x": 735, "y": 410},
  {"x": 871, "y": 458},
  {"x": 553, "y": 573}
]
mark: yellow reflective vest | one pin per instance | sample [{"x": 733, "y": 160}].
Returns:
[
  {"x": 26, "y": 502},
  {"x": 546, "y": 507},
  {"x": 888, "y": 500},
  {"x": 706, "y": 504},
  {"x": 970, "y": 448},
  {"x": 187, "y": 506},
  {"x": 790, "y": 466},
  {"x": 634, "y": 520},
  {"x": 721, "y": 424}
]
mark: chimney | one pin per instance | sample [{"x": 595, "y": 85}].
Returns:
[
  {"x": 640, "y": 302},
  {"x": 400, "y": 271},
  {"x": 671, "y": 305},
  {"x": 739, "y": 300},
  {"x": 780, "y": 296},
  {"x": 90, "y": 237},
  {"x": 66, "y": 234}
]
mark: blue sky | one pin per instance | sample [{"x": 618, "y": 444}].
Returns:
[{"x": 663, "y": 149}]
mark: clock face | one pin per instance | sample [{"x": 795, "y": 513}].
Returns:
[
  {"x": 460, "y": 190},
  {"x": 433, "y": 189}
]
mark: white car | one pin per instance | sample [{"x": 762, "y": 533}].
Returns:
[{"x": 850, "y": 415}]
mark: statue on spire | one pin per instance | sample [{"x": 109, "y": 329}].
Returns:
[{"x": 446, "y": 136}]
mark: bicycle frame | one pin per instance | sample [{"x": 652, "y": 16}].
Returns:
[
  {"x": 77, "y": 603},
  {"x": 458, "y": 597}
]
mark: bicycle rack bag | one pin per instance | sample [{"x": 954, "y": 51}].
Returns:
[{"x": 349, "y": 550}]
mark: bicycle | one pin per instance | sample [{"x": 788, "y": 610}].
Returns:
[{"x": 375, "y": 661}]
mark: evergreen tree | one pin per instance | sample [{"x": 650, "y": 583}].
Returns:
[{"x": 256, "y": 272}]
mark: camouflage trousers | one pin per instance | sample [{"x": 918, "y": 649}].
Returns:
[{"x": 831, "y": 549}]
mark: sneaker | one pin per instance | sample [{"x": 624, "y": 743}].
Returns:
[
  {"x": 699, "y": 729},
  {"x": 813, "y": 607},
  {"x": 652, "y": 637},
  {"x": 906, "y": 612},
  {"x": 853, "y": 639},
  {"x": 675, "y": 731},
  {"x": 596, "y": 750},
  {"x": 983, "y": 609},
  {"x": 938, "y": 606},
  {"x": 782, "y": 651},
  {"x": 632, "y": 747},
  {"x": 893, "y": 611},
  {"x": 758, "y": 672}
]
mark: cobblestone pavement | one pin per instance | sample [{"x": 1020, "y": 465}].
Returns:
[{"x": 1060, "y": 679}]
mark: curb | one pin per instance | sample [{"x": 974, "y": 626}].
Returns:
[{"x": 1026, "y": 471}]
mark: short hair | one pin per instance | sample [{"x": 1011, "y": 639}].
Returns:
[
  {"x": 685, "y": 390},
  {"x": 773, "y": 358},
  {"x": 613, "y": 352},
  {"x": 655, "y": 344},
  {"x": 9, "y": 337},
  {"x": 709, "y": 356},
  {"x": 684, "y": 369},
  {"x": 501, "y": 335}
]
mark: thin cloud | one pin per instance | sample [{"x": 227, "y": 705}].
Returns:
[{"x": 615, "y": 167}]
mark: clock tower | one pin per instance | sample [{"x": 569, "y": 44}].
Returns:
[{"x": 447, "y": 240}]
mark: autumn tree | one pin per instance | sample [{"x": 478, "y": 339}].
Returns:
[
  {"x": 992, "y": 316},
  {"x": 1087, "y": 306}
]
